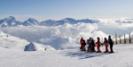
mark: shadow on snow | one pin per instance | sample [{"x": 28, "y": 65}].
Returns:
[{"x": 84, "y": 55}]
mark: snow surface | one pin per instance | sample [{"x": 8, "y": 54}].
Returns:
[{"x": 122, "y": 57}]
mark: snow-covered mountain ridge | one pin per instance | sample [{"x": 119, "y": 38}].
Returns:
[{"x": 12, "y": 21}]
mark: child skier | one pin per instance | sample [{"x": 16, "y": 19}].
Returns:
[
  {"x": 106, "y": 45},
  {"x": 98, "y": 43},
  {"x": 82, "y": 44}
]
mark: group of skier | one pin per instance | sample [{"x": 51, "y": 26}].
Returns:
[{"x": 91, "y": 44}]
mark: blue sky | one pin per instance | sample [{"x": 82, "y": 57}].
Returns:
[{"x": 55, "y": 9}]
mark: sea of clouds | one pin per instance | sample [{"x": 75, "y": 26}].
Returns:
[{"x": 68, "y": 35}]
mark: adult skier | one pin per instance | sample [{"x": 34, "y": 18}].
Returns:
[
  {"x": 111, "y": 43},
  {"x": 91, "y": 45}
]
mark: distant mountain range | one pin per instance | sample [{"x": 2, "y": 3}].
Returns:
[
  {"x": 124, "y": 21},
  {"x": 11, "y": 21}
]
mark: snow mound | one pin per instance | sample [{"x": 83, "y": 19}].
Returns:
[{"x": 30, "y": 47}]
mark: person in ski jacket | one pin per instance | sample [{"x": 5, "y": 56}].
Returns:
[
  {"x": 82, "y": 44},
  {"x": 106, "y": 45},
  {"x": 111, "y": 43},
  {"x": 98, "y": 43},
  {"x": 91, "y": 45}
]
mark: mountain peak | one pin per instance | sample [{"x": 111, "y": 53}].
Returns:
[
  {"x": 30, "y": 21},
  {"x": 68, "y": 18},
  {"x": 9, "y": 21},
  {"x": 10, "y": 18}
]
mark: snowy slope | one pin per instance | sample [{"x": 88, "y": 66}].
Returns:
[{"x": 122, "y": 57}]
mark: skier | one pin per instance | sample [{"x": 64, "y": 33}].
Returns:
[
  {"x": 111, "y": 43},
  {"x": 89, "y": 44},
  {"x": 106, "y": 45},
  {"x": 98, "y": 43},
  {"x": 82, "y": 44},
  {"x": 93, "y": 45}
]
